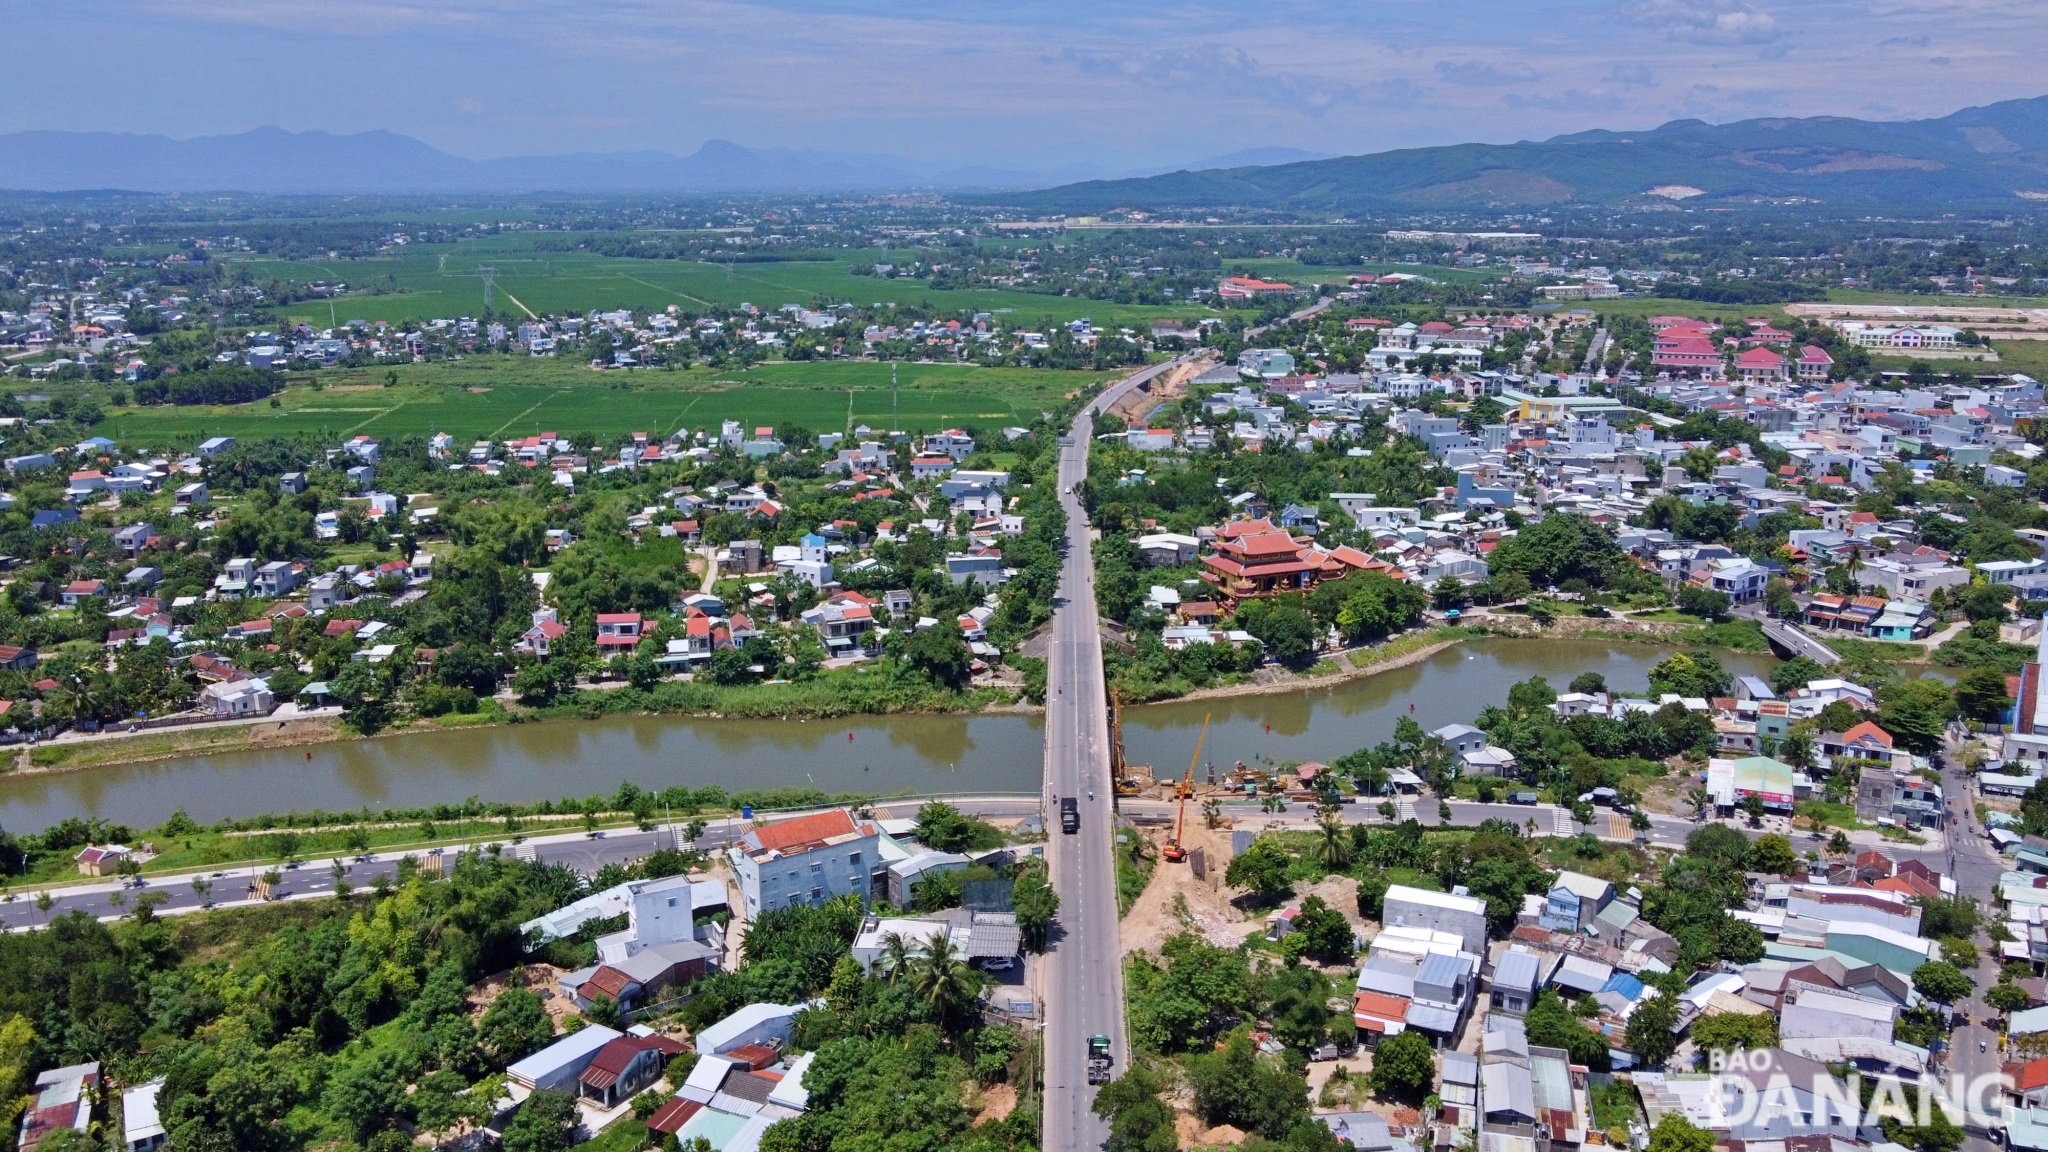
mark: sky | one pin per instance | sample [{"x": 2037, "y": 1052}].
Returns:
[{"x": 1103, "y": 84}]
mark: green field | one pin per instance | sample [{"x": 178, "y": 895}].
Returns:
[
  {"x": 1295, "y": 272},
  {"x": 496, "y": 397},
  {"x": 428, "y": 281}
]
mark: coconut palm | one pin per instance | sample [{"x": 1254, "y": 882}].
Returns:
[
  {"x": 894, "y": 963},
  {"x": 1697, "y": 797},
  {"x": 943, "y": 980},
  {"x": 1333, "y": 850}
]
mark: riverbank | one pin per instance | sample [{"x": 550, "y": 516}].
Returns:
[
  {"x": 842, "y": 695},
  {"x": 837, "y": 696}
]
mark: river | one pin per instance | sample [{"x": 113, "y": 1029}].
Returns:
[{"x": 989, "y": 753}]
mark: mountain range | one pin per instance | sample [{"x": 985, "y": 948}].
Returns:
[
  {"x": 272, "y": 160},
  {"x": 1994, "y": 155}
]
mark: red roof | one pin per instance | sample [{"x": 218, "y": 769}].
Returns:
[
  {"x": 2028, "y": 1076},
  {"x": 787, "y": 834},
  {"x": 618, "y": 617},
  {"x": 1760, "y": 358},
  {"x": 1869, "y": 730},
  {"x": 670, "y": 1117},
  {"x": 341, "y": 627}
]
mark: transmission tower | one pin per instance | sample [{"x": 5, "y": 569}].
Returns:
[
  {"x": 895, "y": 404},
  {"x": 729, "y": 277},
  {"x": 490, "y": 276}
]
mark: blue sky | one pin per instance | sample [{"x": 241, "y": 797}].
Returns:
[{"x": 1109, "y": 83}]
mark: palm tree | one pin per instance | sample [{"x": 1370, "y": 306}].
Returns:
[
  {"x": 1797, "y": 750},
  {"x": 1333, "y": 851},
  {"x": 1697, "y": 797},
  {"x": 895, "y": 959},
  {"x": 943, "y": 980}
]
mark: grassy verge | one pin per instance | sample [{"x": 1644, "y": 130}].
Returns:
[
  {"x": 1411, "y": 642},
  {"x": 176, "y": 742},
  {"x": 1134, "y": 864}
]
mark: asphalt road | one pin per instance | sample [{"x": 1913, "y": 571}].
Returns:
[
  {"x": 1082, "y": 974},
  {"x": 314, "y": 877}
]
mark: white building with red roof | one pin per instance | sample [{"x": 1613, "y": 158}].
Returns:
[{"x": 806, "y": 860}]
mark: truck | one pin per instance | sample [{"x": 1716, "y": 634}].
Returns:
[
  {"x": 1070, "y": 815},
  {"x": 1098, "y": 1059}
]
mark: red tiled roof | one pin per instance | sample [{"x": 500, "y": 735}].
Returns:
[
  {"x": 787, "y": 834},
  {"x": 608, "y": 980}
]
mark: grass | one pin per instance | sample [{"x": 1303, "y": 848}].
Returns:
[
  {"x": 427, "y": 281},
  {"x": 1832, "y": 814},
  {"x": 1134, "y": 865},
  {"x": 494, "y": 397}
]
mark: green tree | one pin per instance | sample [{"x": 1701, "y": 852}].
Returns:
[
  {"x": 1980, "y": 694},
  {"x": 1404, "y": 1067},
  {"x": 1674, "y": 1133},
  {"x": 545, "y": 1122},
  {"x": 1795, "y": 674},
  {"x": 1773, "y": 853},
  {"x": 1941, "y": 982},
  {"x": 1916, "y": 712},
  {"x": 1036, "y": 906},
  {"x": 1696, "y": 674},
  {"x": 940, "y": 655},
  {"x": 943, "y": 980},
  {"x": 1138, "y": 1120},
  {"x": 1329, "y": 937},
  {"x": 1734, "y": 1031},
  {"x": 515, "y": 1024},
  {"x": 2007, "y": 998},
  {"x": 1261, "y": 869},
  {"x": 1652, "y": 1028},
  {"x": 1705, "y": 603},
  {"x": 1283, "y": 628}
]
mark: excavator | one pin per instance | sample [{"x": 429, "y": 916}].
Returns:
[{"x": 1173, "y": 852}]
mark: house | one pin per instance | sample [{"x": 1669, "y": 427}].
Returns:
[
  {"x": 82, "y": 589},
  {"x": 62, "y": 1099},
  {"x": 142, "y": 1126},
  {"x": 806, "y": 860},
  {"x": 52, "y": 517},
  {"x": 277, "y": 578},
  {"x": 617, "y": 632},
  {"x": 1573, "y": 901},
  {"x": 1515, "y": 980},
  {"x": 102, "y": 859},
  {"x": 215, "y": 445},
  {"x": 983, "y": 568},
  {"x": 1865, "y": 741},
  {"x": 14, "y": 658},
  {"x": 193, "y": 495},
  {"x": 765, "y": 1025},
  {"x": 131, "y": 539},
  {"x": 228, "y": 699},
  {"x": 1461, "y": 916},
  {"x": 546, "y": 630},
  {"x": 626, "y": 1064},
  {"x": 558, "y": 1065},
  {"x": 1777, "y": 784}
]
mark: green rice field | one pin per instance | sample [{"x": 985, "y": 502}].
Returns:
[
  {"x": 427, "y": 281},
  {"x": 497, "y": 397}
]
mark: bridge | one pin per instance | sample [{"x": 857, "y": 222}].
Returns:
[{"x": 1790, "y": 640}]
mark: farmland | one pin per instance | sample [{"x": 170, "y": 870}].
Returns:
[
  {"x": 423, "y": 282},
  {"x": 496, "y": 397}
]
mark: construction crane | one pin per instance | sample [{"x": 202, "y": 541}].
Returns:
[{"x": 1173, "y": 852}]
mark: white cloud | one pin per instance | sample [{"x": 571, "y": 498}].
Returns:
[{"x": 1705, "y": 21}]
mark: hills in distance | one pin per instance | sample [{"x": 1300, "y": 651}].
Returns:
[
  {"x": 1994, "y": 155},
  {"x": 274, "y": 161}
]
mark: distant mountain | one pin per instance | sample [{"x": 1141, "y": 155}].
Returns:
[
  {"x": 272, "y": 160},
  {"x": 1995, "y": 155}
]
